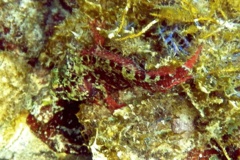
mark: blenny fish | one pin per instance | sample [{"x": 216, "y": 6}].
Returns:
[{"x": 95, "y": 73}]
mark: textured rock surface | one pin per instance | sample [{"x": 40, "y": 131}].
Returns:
[
  {"x": 13, "y": 85},
  {"x": 16, "y": 140},
  {"x": 22, "y": 144}
]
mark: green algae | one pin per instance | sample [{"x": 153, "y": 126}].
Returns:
[{"x": 157, "y": 125}]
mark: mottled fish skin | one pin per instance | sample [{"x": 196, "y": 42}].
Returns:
[
  {"x": 124, "y": 72},
  {"x": 96, "y": 73}
]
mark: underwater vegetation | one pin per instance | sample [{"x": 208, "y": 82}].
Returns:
[{"x": 140, "y": 79}]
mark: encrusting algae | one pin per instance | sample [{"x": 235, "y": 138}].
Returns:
[{"x": 142, "y": 80}]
